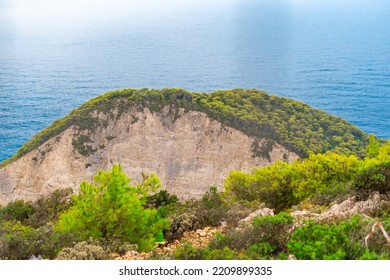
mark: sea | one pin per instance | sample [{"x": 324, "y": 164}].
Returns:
[{"x": 56, "y": 55}]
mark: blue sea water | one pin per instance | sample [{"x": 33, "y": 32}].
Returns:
[{"x": 55, "y": 55}]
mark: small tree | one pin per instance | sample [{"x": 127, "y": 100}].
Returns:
[{"x": 114, "y": 209}]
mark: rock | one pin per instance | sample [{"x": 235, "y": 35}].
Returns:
[
  {"x": 348, "y": 207},
  {"x": 34, "y": 258},
  {"x": 258, "y": 213},
  {"x": 291, "y": 257},
  {"x": 201, "y": 233},
  {"x": 114, "y": 255},
  {"x": 304, "y": 214},
  {"x": 198, "y": 238}
]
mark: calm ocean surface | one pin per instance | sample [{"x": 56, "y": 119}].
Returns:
[{"x": 333, "y": 55}]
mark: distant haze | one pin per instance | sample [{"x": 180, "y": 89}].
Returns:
[{"x": 55, "y": 55}]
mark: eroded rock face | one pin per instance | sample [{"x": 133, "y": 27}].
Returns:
[
  {"x": 187, "y": 150},
  {"x": 347, "y": 208}
]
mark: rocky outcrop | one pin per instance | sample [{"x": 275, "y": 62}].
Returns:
[
  {"x": 261, "y": 212},
  {"x": 198, "y": 239},
  {"x": 348, "y": 207},
  {"x": 186, "y": 149}
]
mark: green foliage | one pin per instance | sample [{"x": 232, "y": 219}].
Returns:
[
  {"x": 290, "y": 123},
  {"x": 373, "y": 178},
  {"x": 266, "y": 238},
  {"x": 336, "y": 241},
  {"x": 211, "y": 210},
  {"x": 20, "y": 242},
  {"x": 16, "y": 240},
  {"x": 323, "y": 177},
  {"x": 18, "y": 210},
  {"x": 38, "y": 213},
  {"x": 161, "y": 199},
  {"x": 271, "y": 184},
  {"x": 113, "y": 208},
  {"x": 189, "y": 252},
  {"x": 84, "y": 250},
  {"x": 47, "y": 209},
  {"x": 372, "y": 147},
  {"x": 320, "y": 178}
]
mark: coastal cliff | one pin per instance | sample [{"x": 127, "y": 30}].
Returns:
[{"x": 190, "y": 140}]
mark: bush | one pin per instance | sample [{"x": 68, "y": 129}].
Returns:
[
  {"x": 320, "y": 178},
  {"x": 373, "y": 178},
  {"x": 337, "y": 241},
  {"x": 211, "y": 210},
  {"x": 324, "y": 177},
  {"x": 179, "y": 224},
  {"x": 161, "y": 199},
  {"x": 18, "y": 210},
  {"x": 85, "y": 250},
  {"x": 266, "y": 238},
  {"x": 48, "y": 208},
  {"x": 115, "y": 245},
  {"x": 271, "y": 184},
  {"x": 188, "y": 252},
  {"x": 113, "y": 208},
  {"x": 20, "y": 242},
  {"x": 17, "y": 241}
]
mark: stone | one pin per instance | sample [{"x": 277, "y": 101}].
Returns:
[
  {"x": 291, "y": 257},
  {"x": 202, "y": 233},
  {"x": 258, "y": 213},
  {"x": 349, "y": 207}
]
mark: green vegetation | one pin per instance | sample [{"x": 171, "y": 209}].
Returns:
[
  {"x": 113, "y": 209},
  {"x": 111, "y": 216},
  {"x": 318, "y": 179},
  {"x": 335, "y": 241},
  {"x": 271, "y": 238},
  {"x": 290, "y": 123}
]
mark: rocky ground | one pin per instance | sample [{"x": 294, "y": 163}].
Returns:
[
  {"x": 202, "y": 237},
  {"x": 198, "y": 238}
]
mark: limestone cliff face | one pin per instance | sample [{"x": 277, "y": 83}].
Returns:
[{"x": 187, "y": 150}]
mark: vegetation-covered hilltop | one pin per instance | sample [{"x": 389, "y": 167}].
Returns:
[{"x": 292, "y": 124}]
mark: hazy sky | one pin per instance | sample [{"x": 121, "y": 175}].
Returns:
[{"x": 59, "y": 15}]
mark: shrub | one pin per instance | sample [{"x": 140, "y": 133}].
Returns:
[
  {"x": 343, "y": 240},
  {"x": 113, "y": 208},
  {"x": 160, "y": 199},
  {"x": 267, "y": 236},
  {"x": 188, "y": 252},
  {"x": 16, "y": 240},
  {"x": 210, "y": 210},
  {"x": 323, "y": 177},
  {"x": 85, "y": 250},
  {"x": 48, "y": 208},
  {"x": 116, "y": 245},
  {"x": 180, "y": 224},
  {"x": 18, "y": 210},
  {"x": 236, "y": 212},
  {"x": 320, "y": 178},
  {"x": 271, "y": 184},
  {"x": 373, "y": 178},
  {"x": 261, "y": 250}
]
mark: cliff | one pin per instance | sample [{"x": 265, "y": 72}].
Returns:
[{"x": 191, "y": 140}]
